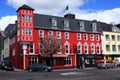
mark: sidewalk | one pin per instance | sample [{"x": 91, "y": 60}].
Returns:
[
  {"x": 70, "y": 69},
  {"x": 67, "y": 69}
]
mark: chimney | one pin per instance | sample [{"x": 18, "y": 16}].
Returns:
[{"x": 70, "y": 16}]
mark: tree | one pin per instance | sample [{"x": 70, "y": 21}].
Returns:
[{"x": 49, "y": 46}]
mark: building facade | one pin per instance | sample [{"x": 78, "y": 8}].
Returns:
[
  {"x": 82, "y": 40},
  {"x": 1, "y": 44},
  {"x": 111, "y": 40}
]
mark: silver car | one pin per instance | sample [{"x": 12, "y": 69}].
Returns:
[{"x": 106, "y": 64}]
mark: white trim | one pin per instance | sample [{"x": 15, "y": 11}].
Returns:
[
  {"x": 92, "y": 37},
  {"x": 92, "y": 48},
  {"x": 85, "y": 36},
  {"x": 41, "y": 33},
  {"x": 58, "y": 34},
  {"x": 79, "y": 44},
  {"x": 66, "y": 34},
  {"x": 50, "y": 33},
  {"x": 85, "y": 44},
  {"x": 79, "y": 36},
  {"x": 33, "y": 48},
  {"x": 68, "y": 44},
  {"x": 98, "y": 45}
]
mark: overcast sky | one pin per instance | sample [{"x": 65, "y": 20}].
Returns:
[{"x": 107, "y": 11}]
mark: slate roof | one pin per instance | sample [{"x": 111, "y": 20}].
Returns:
[
  {"x": 25, "y": 7},
  {"x": 10, "y": 30},
  {"x": 44, "y": 21}
]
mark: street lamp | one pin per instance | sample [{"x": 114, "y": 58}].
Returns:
[{"x": 24, "y": 47}]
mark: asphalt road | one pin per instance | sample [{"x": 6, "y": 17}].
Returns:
[{"x": 68, "y": 74}]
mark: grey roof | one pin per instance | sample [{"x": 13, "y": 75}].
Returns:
[
  {"x": 25, "y": 7},
  {"x": 10, "y": 30},
  {"x": 106, "y": 27},
  {"x": 44, "y": 21}
]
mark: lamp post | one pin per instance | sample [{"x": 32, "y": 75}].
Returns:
[{"x": 24, "y": 47}]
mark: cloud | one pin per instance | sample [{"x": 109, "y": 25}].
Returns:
[
  {"x": 108, "y": 16},
  {"x": 56, "y": 8},
  {"x": 4, "y": 21},
  {"x": 52, "y": 7}
]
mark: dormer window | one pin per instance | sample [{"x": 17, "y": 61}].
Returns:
[
  {"x": 54, "y": 23},
  {"x": 66, "y": 24},
  {"x": 81, "y": 24},
  {"x": 94, "y": 27}
]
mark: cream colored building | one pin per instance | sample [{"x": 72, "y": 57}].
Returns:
[{"x": 111, "y": 44}]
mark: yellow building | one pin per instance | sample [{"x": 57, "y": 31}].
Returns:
[{"x": 111, "y": 44}]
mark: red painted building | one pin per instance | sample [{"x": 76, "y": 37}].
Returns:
[{"x": 82, "y": 40}]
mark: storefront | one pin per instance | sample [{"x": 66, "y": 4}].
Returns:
[{"x": 87, "y": 60}]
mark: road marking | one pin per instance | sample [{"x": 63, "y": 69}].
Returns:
[{"x": 70, "y": 73}]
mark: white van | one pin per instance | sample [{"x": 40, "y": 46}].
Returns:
[{"x": 117, "y": 61}]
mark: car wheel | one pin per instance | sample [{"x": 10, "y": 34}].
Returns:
[
  {"x": 46, "y": 70},
  {"x": 30, "y": 70},
  {"x": 106, "y": 67}
]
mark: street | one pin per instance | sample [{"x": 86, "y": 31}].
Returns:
[{"x": 67, "y": 74}]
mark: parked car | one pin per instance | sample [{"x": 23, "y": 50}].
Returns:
[
  {"x": 117, "y": 61},
  {"x": 39, "y": 67},
  {"x": 105, "y": 64},
  {"x": 5, "y": 65}
]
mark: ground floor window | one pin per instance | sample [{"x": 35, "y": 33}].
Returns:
[
  {"x": 33, "y": 60},
  {"x": 67, "y": 61},
  {"x": 58, "y": 61}
]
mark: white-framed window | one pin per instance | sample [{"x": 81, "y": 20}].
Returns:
[
  {"x": 66, "y": 35},
  {"x": 33, "y": 60},
  {"x": 67, "y": 48},
  {"x": 79, "y": 48},
  {"x": 92, "y": 37},
  {"x": 23, "y": 17},
  {"x": 85, "y": 48},
  {"x": 54, "y": 22},
  {"x": 27, "y": 18},
  {"x": 114, "y": 48},
  {"x": 31, "y": 47},
  {"x": 113, "y": 37},
  {"x": 59, "y": 51},
  {"x": 92, "y": 48},
  {"x": 66, "y": 24},
  {"x": 85, "y": 36},
  {"x": 78, "y": 36},
  {"x": 81, "y": 24},
  {"x": 98, "y": 48},
  {"x": 97, "y": 37},
  {"x": 13, "y": 52},
  {"x": 23, "y": 31},
  {"x": 30, "y": 18},
  {"x": 30, "y": 31},
  {"x": 41, "y": 33},
  {"x": 118, "y": 37},
  {"x": 119, "y": 48},
  {"x": 68, "y": 61},
  {"x": 27, "y": 31},
  {"x": 107, "y": 37},
  {"x": 94, "y": 27},
  {"x": 58, "y": 35},
  {"x": 108, "y": 48},
  {"x": 50, "y": 33}
]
